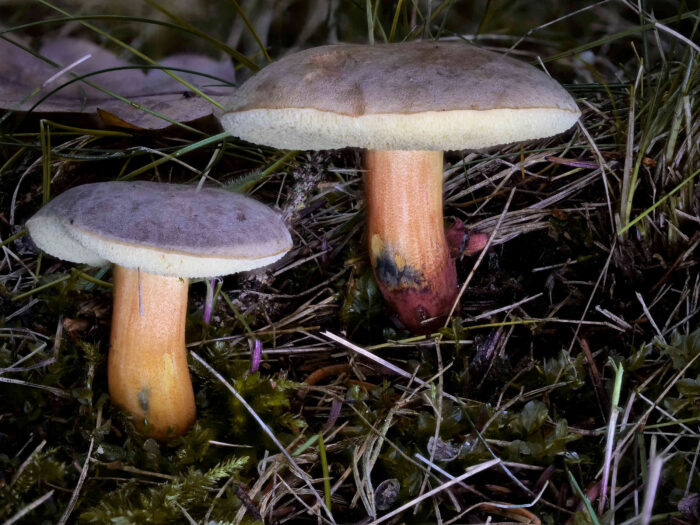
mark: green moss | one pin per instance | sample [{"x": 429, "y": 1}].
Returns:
[{"x": 134, "y": 503}]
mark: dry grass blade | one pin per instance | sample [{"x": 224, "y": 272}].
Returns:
[
  {"x": 53, "y": 390},
  {"x": 26, "y": 510},
  {"x": 81, "y": 479},
  {"x": 443, "y": 472},
  {"x": 656, "y": 463},
  {"x": 27, "y": 461},
  {"x": 610, "y": 436}
]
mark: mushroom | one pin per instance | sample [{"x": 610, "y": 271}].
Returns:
[
  {"x": 406, "y": 103},
  {"x": 157, "y": 236}
]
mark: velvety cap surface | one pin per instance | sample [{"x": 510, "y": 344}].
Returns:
[
  {"x": 159, "y": 228},
  {"x": 416, "y": 95}
]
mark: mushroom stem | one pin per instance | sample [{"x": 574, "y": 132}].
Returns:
[
  {"x": 408, "y": 249},
  {"x": 147, "y": 368}
]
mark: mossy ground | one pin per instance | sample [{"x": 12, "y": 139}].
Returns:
[{"x": 574, "y": 352}]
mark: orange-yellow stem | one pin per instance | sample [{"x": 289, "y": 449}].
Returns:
[
  {"x": 406, "y": 234},
  {"x": 147, "y": 368}
]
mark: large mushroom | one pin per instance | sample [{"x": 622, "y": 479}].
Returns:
[
  {"x": 157, "y": 236},
  {"x": 406, "y": 103}
]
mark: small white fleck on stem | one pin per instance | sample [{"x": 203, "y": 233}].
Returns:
[{"x": 140, "y": 301}]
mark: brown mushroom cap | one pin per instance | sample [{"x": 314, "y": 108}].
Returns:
[
  {"x": 164, "y": 229},
  {"x": 408, "y": 96}
]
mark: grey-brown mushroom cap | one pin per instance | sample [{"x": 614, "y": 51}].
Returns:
[
  {"x": 415, "y": 95},
  {"x": 164, "y": 229}
]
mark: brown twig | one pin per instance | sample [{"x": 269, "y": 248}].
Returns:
[
  {"x": 321, "y": 374},
  {"x": 595, "y": 374}
]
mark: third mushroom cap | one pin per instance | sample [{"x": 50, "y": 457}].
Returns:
[{"x": 406, "y": 103}]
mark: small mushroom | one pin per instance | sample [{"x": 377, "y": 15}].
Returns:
[
  {"x": 157, "y": 236},
  {"x": 405, "y": 103}
]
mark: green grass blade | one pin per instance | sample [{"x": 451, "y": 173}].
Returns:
[
  {"x": 324, "y": 469},
  {"x": 659, "y": 202},
  {"x": 187, "y": 149},
  {"x": 395, "y": 20},
  {"x": 250, "y": 27},
  {"x": 45, "y": 141},
  {"x": 584, "y": 498}
]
